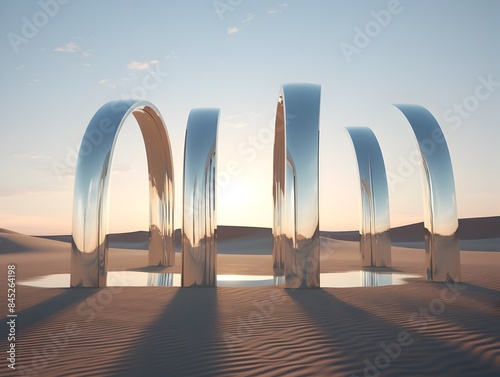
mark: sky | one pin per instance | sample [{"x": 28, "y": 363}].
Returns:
[{"x": 62, "y": 60}]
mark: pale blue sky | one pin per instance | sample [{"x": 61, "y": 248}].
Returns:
[{"x": 433, "y": 53}]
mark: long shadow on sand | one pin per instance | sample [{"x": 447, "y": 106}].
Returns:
[
  {"x": 154, "y": 269},
  {"x": 178, "y": 342},
  {"x": 357, "y": 336},
  {"x": 475, "y": 310},
  {"x": 29, "y": 317}
]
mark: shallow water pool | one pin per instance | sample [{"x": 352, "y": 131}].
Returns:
[{"x": 357, "y": 278}]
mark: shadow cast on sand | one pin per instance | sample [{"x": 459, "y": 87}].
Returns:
[
  {"x": 156, "y": 269},
  {"x": 42, "y": 311},
  {"x": 381, "y": 269},
  {"x": 358, "y": 335},
  {"x": 178, "y": 342}
]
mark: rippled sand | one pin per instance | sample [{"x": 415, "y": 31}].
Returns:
[{"x": 416, "y": 329}]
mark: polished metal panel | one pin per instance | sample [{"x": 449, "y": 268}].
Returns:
[
  {"x": 199, "y": 223},
  {"x": 375, "y": 243},
  {"x": 440, "y": 208},
  {"x": 295, "y": 186},
  {"x": 89, "y": 254}
]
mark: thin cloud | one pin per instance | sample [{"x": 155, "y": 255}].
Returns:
[
  {"x": 233, "y": 30},
  {"x": 30, "y": 191},
  {"x": 171, "y": 55},
  {"x": 240, "y": 125},
  {"x": 19, "y": 67},
  {"x": 276, "y": 11},
  {"x": 70, "y": 47},
  {"x": 107, "y": 82},
  {"x": 31, "y": 156},
  {"x": 121, "y": 169},
  {"x": 33, "y": 82},
  {"x": 248, "y": 18},
  {"x": 86, "y": 53},
  {"x": 141, "y": 66},
  {"x": 137, "y": 66},
  {"x": 239, "y": 120}
]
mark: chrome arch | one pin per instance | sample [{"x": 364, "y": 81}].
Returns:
[
  {"x": 375, "y": 243},
  {"x": 199, "y": 222},
  {"x": 442, "y": 248},
  {"x": 295, "y": 186},
  {"x": 89, "y": 246}
]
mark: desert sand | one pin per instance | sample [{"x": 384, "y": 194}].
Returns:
[{"x": 416, "y": 329}]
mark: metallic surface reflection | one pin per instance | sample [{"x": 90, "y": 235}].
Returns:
[
  {"x": 199, "y": 223},
  {"x": 169, "y": 279},
  {"x": 90, "y": 207},
  {"x": 440, "y": 209},
  {"x": 160, "y": 279},
  {"x": 375, "y": 243},
  {"x": 295, "y": 186}
]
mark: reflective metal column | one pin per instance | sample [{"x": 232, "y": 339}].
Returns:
[
  {"x": 90, "y": 208},
  {"x": 375, "y": 243},
  {"x": 199, "y": 223},
  {"x": 440, "y": 208},
  {"x": 295, "y": 186}
]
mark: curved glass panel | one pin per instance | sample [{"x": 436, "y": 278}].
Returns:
[
  {"x": 375, "y": 243},
  {"x": 90, "y": 208},
  {"x": 440, "y": 209},
  {"x": 199, "y": 223},
  {"x": 295, "y": 185}
]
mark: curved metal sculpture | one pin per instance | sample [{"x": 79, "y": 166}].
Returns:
[
  {"x": 199, "y": 223},
  {"x": 89, "y": 254},
  {"x": 375, "y": 243},
  {"x": 295, "y": 186},
  {"x": 442, "y": 248}
]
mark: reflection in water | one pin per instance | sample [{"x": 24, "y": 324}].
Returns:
[{"x": 145, "y": 279}]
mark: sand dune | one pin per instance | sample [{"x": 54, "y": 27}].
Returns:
[
  {"x": 485, "y": 228},
  {"x": 7, "y": 231},
  {"x": 469, "y": 229},
  {"x": 253, "y": 331},
  {"x": 16, "y": 243}
]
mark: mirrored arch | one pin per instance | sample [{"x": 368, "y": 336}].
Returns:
[
  {"x": 199, "y": 223},
  {"x": 375, "y": 242},
  {"x": 442, "y": 248},
  {"x": 89, "y": 256},
  {"x": 295, "y": 186}
]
